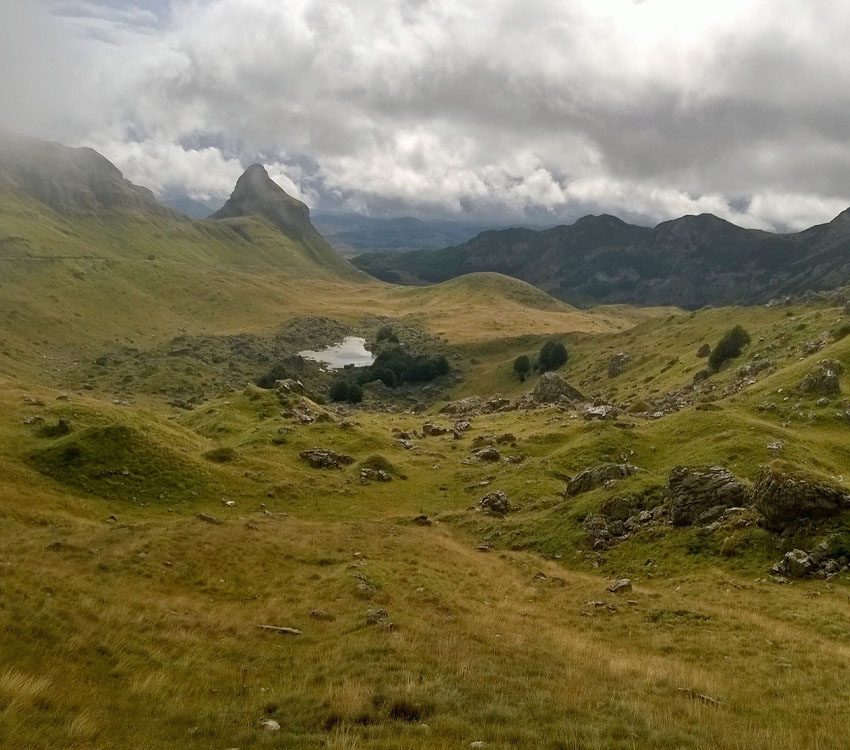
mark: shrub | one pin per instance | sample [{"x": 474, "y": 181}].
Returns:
[
  {"x": 386, "y": 333},
  {"x": 277, "y": 372},
  {"x": 404, "y": 368},
  {"x": 553, "y": 354},
  {"x": 729, "y": 347},
  {"x": 346, "y": 390},
  {"x": 522, "y": 366}
]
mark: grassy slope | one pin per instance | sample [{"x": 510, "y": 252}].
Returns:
[
  {"x": 142, "y": 631},
  {"x": 151, "y": 635}
]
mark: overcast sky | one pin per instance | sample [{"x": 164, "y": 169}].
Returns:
[{"x": 496, "y": 110}]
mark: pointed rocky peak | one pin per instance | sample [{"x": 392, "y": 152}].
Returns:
[{"x": 256, "y": 194}]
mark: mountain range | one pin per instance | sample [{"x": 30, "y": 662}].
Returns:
[{"x": 689, "y": 262}]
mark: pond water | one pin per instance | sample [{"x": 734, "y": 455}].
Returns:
[{"x": 352, "y": 351}]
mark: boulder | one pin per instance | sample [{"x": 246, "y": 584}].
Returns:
[
  {"x": 620, "y": 586},
  {"x": 823, "y": 379},
  {"x": 796, "y": 564},
  {"x": 432, "y": 430},
  {"x": 490, "y": 453},
  {"x": 465, "y": 406},
  {"x": 617, "y": 364},
  {"x": 702, "y": 494},
  {"x": 597, "y": 476},
  {"x": 495, "y": 503},
  {"x": 784, "y": 499},
  {"x": 552, "y": 388}
]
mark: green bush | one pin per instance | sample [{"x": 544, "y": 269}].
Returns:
[
  {"x": 346, "y": 390},
  {"x": 395, "y": 366},
  {"x": 522, "y": 366},
  {"x": 277, "y": 372},
  {"x": 553, "y": 354},
  {"x": 386, "y": 333},
  {"x": 729, "y": 347}
]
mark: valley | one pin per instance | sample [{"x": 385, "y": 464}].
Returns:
[{"x": 203, "y": 549}]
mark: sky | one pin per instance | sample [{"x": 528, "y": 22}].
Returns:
[{"x": 486, "y": 110}]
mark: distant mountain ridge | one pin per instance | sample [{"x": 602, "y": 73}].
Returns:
[
  {"x": 352, "y": 234},
  {"x": 690, "y": 262}
]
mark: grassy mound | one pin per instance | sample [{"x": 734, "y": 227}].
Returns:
[{"x": 117, "y": 461}]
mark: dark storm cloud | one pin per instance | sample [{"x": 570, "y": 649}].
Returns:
[{"x": 498, "y": 111}]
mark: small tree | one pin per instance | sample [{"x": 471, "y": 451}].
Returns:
[
  {"x": 729, "y": 347},
  {"x": 553, "y": 354},
  {"x": 522, "y": 366}
]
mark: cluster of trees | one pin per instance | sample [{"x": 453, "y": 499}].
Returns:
[
  {"x": 553, "y": 354},
  {"x": 393, "y": 367}
]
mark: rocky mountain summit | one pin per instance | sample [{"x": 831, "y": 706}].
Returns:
[{"x": 256, "y": 194}]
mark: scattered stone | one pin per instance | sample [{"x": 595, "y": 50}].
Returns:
[
  {"x": 269, "y": 725},
  {"x": 620, "y": 586},
  {"x": 551, "y": 388},
  {"x": 597, "y": 476},
  {"x": 374, "y": 475},
  {"x": 776, "y": 447},
  {"x": 320, "y": 614},
  {"x": 700, "y": 495},
  {"x": 207, "y": 518},
  {"x": 617, "y": 364},
  {"x": 506, "y": 438},
  {"x": 495, "y": 503},
  {"x": 784, "y": 500},
  {"x": 461, "y": 426},
  {"x": 228, "y": 503},
  {"x": 422, "y": 520},
  {"x": 465, "y": 406},
  {"x": 320, "y": 458},
  {"x": 279, "y": 629}
]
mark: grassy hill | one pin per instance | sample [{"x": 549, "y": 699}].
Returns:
[{"x": 159, "y": 507}]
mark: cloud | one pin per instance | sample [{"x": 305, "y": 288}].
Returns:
[{"x": 541, "y": 109}]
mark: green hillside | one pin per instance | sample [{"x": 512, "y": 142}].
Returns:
[{"x": 203, "y": 549}]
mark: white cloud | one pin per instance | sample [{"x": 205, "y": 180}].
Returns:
[{"x": 494, "y": 110}]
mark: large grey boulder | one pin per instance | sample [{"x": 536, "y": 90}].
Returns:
[
  {"x": 796, "y": 564},
  {"x": 701, "y": 494},
  {"x": 496, "y": 503},
  {"x": 589, "y": 479},
  {"x": 785, "y": 499},
  {"x": 552, "y": 388}
]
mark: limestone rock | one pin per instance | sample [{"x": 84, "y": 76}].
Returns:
[
  {"x": 495, "y": 503},
  {"x": 552, "y": 388},
  {"x": 823, "y": 379},
  {"x": 702, "y": 494},
  {"x": 589, "y": 479},
  {"x": 620, "y": 586},
  {"x": 617, "y": 364},
  {"x": 796, "y": 564},
  {"x": 320, "y": 458},
  {"x": 784, "y": 499}
]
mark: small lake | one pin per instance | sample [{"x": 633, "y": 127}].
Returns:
[{"x": 352, "y": 351}]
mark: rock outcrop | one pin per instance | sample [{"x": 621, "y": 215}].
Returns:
[
  {"x": 319, "y": 458},
  {"x": 552, "y": 388},
  {"x": 823, "y": 379},
  {"x": 495, "y": 503},
  {"x": 785, "y": 499},
  {"x": 589, "y": 479},
  {"x": 700, "y": 495}
]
